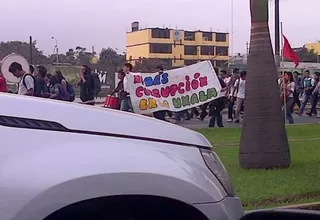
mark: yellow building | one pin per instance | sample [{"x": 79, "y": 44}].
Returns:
[
  {"x": 177, "y": 47},
  {"x": 313, "y": 46}
]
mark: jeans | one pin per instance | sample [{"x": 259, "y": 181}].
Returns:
[
  {"x": 230, "y": 109},
  {"x": 290, "y": 102},
  {"x": 305, "y": 100},
  {"x": 179, "y": 115},
  {"x": 126, "y": 105},
  {"x": 239, "y": 104},
  {"x": 314, "y": 102},
  {"x": 216, "y": 115},
  {"x": 204, "y": 110},
  {"x": 194, "y": 111},
  {"x": 296, "y": 95}
]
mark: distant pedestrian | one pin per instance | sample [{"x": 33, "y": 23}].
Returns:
[
  {"x": 3, "y": 83},
  {"x": 86, "y": 84},
  {"x": 308, "y": 86}
]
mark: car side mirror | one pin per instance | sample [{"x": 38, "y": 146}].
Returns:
[{"x": 282, "y": 214}]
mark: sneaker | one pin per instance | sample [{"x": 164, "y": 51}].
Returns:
[
  {"x": 318, "y": 116},
  {"x": 237, "y": 121},
  {"x": 298, "y": 113},
  {"x": 308, "y": 113},
  {"x": 230, "y": 120}
]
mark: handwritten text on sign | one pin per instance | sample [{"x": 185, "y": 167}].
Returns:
[{"x": 174, "y": 90}]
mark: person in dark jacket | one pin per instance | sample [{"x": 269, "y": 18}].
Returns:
[
  {"x": 217, "y": 105},
  {"x": 119, "y": 89},
  {"x": 86, "y": 86}
]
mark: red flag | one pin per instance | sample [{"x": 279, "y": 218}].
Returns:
[{"x": 289, "y": 53}]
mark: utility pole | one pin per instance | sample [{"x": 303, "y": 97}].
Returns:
[
  {"x": 56, "y": 49},
  {"x": 277, "y": 32},
  {"x": 31, "y": 46},
  {"x": 232, "y": 27}
]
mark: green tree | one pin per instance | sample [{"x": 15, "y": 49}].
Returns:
[
  {"x": 306, "y": 55},
  {"x": 82, "y": 56},
  {"x": 110, "y": 57},
  {"x": 71, "y": 56},
  {"x": 148, "y": 65},
  {"x": 111, "y": 61},
  {"x": 264, "y": 142},
  {"x": 23, "y": 49}
]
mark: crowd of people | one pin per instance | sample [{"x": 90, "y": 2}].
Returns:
[
  {"x": 294, "y": 86},
  {"x": 37, "y": 82},
  {"x": 233, "y": 90}
]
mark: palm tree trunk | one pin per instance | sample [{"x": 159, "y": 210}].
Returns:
[{"x": 264, "y": 142}]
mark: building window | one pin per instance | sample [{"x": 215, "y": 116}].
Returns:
[
  {"x": 160, "y": 33},
  {"x": 222, "y": 51},
  {"x": 189, "y": 62},
  {"x": 207, "y": 50},
  {"x": 161, "y": 48},
  {"x": 221, "y": 37},
  {"x": 221, "y": 63},
  {"x": 190, "y": 50},
  {"x": 189, "y": 36},
  {"x": 207, "y": 36}
]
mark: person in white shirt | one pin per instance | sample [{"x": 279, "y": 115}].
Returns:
[
  {"x": 126, "y": 104},
  {"x": 27, "y": 83},
  {"x": 241, "y": 85},
  {"x": 287, "y": 88},
  {"x": 232, "y": 93}
]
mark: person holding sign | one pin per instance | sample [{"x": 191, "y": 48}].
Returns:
[
  {"x": 217, "y": 105},
  {"x": 161, "y": 115},
  {"x": 126, "y": 104}
]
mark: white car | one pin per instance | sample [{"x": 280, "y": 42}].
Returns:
[{"x": 64, "y": 161}]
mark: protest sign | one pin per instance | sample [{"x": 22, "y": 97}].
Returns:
[{"x": 174, "y": 90}]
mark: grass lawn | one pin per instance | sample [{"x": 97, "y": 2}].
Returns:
[{"x": 269, "y": 188}]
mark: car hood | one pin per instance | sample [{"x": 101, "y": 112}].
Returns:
[{"x": 78, "y": 117}]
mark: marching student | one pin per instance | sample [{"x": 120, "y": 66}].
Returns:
[
  {"x": 126, "y": 104},
  {"x": 27, "y": 82}
]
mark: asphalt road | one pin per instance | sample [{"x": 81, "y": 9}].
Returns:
[{"x": 196, "y": 123}]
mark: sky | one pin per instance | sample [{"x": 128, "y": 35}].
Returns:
[{"x": 103, "y": 23}]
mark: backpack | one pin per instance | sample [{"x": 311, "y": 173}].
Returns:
[
  {"x": 96, "y": 84},
  {"x": 34, "y": 81},
  {"x": 71, "y": 93}
]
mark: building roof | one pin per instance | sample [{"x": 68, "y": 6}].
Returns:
[{"x": 143, "y": 29}]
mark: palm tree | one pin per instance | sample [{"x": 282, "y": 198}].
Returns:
[{"x": 264, "y": 142}]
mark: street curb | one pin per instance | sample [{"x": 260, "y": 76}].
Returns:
[
  {"x": 307, "y": 206},
  {"x": 300, "y": 206}
]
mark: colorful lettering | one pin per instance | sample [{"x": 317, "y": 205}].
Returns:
[
  {"x": 137, "y": 79},
  {"x": 176, "y": 102},
  {"x": 194, "y": 99},
  {"x": 185, "y": 100},
  {"x": 157, "y": 80}
]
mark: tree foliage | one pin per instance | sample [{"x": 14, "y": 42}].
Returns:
[
  {"x": 306, "y": 55},
  {"x": 23, "y": 48},
  {"x": 110, "y": 57},
  {"x": 147, "y": 65}
]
